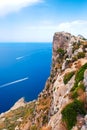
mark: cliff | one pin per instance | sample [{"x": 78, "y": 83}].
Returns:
[{"x": 62, "y": 105}]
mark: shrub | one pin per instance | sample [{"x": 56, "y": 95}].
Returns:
[
  {"x": 78, "y": 81},
  {"x": 70, "y": 112},
  {"x": 74, "y": 94},
  {"x": 68, "y": 76},
  {"x": 75, "y": 46},
  {"x": 74, "y": 58},
  {"x": 81, "y": 86},
  {"x": 76, "y": 88},
  {"x": 45, "y": 119},
  {"x": 80, "y": 74},
  {"x": 80, "y": 55},
  {"x": 61, "y": 52}
]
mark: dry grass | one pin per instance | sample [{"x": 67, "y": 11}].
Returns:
[{"x": 43, "y": 104}]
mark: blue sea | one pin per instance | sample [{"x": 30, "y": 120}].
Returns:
[{"x": 24, "y": 69}]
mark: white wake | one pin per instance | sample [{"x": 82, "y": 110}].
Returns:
[{"x": 14, "y": 82}]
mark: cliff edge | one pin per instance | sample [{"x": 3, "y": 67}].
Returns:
[{"x": 62, "y": 105}]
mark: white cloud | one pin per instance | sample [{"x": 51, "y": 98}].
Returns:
[
  {"x": 47, "y": 31},
  {"x": 74, "y": 27},
  {"x": 43, "y": 31},
  {"x": 7, "y": 6}
]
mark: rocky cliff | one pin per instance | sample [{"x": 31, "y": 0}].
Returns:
[{"x": 62, "y": 105}]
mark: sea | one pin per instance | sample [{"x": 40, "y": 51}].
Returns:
[{"x": 24, "y": 69}]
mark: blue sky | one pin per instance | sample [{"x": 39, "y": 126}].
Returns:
[{"x": 38, "y": 20}]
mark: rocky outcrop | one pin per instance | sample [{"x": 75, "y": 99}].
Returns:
[{"x": 19, "y": 103}]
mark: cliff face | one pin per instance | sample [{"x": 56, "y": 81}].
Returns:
[
  {"x": 69, "y": 88},
  {"x": 62, "y": 105}
]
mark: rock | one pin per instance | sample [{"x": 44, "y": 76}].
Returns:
[
  {"x": 75, "y": 128},
  {"x": 85, "y": 79},
  {"x": 64, "y": 65},
  {"x": 85, "y": 119},
  {"x": 19, "y": 103},
  {"x": 19, "y": 120},
  {"x": 81, "y": 37},
  {"x": 83, "y": 127},
  {"x": 60, "y": 40},
  {"x": 16, "y": 128},
  {"x": 80, "y": 121}
]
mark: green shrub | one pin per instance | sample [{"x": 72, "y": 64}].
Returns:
[
  {"x": 68, "y": 76},
  {"x": 75, "y": 46},
  {"x": 80, "y": 55},
  {"x": 81, "y": 86},
  {"x": 74, "y": 58},
  {"x": 60, "y": 51},
  {"x": 78, "y": 81},
  {"x": 80, "y": 74},
  {"x": 74, "y": 94},
  {"x": 76, "y": 88},
  {"x": 45, "y": 119},
  {"x": 70, "y": 112}
]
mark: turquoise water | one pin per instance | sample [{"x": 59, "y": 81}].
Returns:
[{"x": 24, "y": 69}]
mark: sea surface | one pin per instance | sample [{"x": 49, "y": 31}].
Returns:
[{"x": 24, "y": 69}]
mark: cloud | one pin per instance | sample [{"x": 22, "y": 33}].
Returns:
[
  {"x": 74, "y": 27},
  {"x": 14, "y": 82},
  {"x": 8, "y": 6},
  {"x": 43, "y": 31},
  {"x": 78, "y": 25}
]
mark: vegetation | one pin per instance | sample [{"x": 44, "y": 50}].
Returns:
[
  {"x": 78, "y": 81},
  {"x": 23, "y": 113},
  {"x": 80, "y": 74},
  {"x": 75, "y": 86},
  {"x": 68, "y": 76},
  {"x": 84, "y": 38},
  {"x": 75, "y": 46},
  {"x": 75, "y": 93},
  {"x": 80, "y": 55},
  {"x": 45, "y": 119},
  {"x": 60, "y": 51},
  {"x": 74, "y": 58},
  {"x": 70, "y": 112},
  {"x": 33, "y": 127}
]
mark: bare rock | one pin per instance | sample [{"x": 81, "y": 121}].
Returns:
[{"x": 19, "y": 103}]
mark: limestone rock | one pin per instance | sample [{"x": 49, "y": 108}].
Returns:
[{"x": 19, "y": 103}]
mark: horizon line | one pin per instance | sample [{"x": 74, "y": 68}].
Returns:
[{"x": 25, "y": 42}]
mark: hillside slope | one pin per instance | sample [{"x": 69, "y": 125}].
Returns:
[{"x": 62, "y": 105}]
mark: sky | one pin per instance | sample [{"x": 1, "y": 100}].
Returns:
[{"x": 38, "y": 20}]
